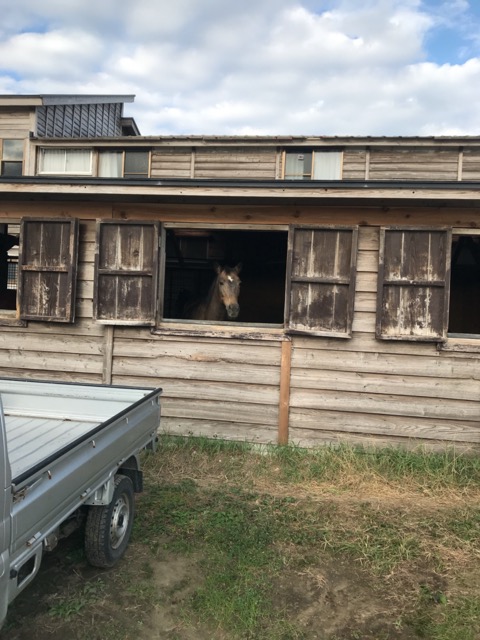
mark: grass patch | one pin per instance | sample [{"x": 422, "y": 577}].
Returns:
[
  {"x": 343, "y": 465},
  {"x": 238, "y": 542},
  {"x": 255, "y": 525}
]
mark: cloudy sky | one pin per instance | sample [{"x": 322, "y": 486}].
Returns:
[{"x": 318, "y": 67}]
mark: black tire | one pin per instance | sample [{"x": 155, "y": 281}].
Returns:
[{"x": 108, "y": 528}]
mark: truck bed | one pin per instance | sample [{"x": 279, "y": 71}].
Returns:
[{"x": 42, "y": 420}]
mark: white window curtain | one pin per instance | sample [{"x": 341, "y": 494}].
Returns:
[
  {"x": 327, "y": 165},
  {"x": 294, "y": 166},
  {"x": 72, "y": 161},
  {"x": 110, "y": 164},
  {"x": 78, "y": 161}
]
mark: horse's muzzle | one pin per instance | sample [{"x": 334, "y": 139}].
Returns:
[{"x": 232, "y": 311}]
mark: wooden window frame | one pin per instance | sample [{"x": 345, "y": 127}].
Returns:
[
  {"x": 415, "y": 284},
  {"x": 150, "y": 273},
  {"x": 52, "y": 299},
  {"x": 334, "y": 280}
]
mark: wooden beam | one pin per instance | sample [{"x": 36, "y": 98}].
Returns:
[
  {"x": 108, "y": 356},
  {"x": 284, "y": 404}
]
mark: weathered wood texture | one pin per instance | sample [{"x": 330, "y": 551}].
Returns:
[
  {"x": 413, "y": 284},
  {"x": 14, "y": 121},
  {"x": 359, "y": 390},
  {"x": 413, "y": 164},
  {"x": 48, "y": 269},
  {"x": 373, "y": 392},
  {"x": 235, "y": 162},
  {"x": 323, "y": 280},
  {"x": 170, "y": 162},
  {"x": 212, "y": 386},
  {"x": 126, "y": 272},
  {"x": 354, "y": 164},
  {"x": 471, "y": 164}
]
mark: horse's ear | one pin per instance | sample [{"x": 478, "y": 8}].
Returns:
[
  {"x": 238, "y": 267},
  {"x": 216, "y": 267}
]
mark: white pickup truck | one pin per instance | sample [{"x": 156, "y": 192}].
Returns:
[{"x": 68, "y": 456}]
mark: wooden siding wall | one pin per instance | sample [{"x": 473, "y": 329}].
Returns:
[
  {"x": 171, "y": 162},
  {"x": 212, "y": 386},
  {"x": 359, "y": 390},
  {"x": 471, "y": 164},
  {"x": 372, "y": 391},
  {"x": 354, "y": 164},
  {"x": 413, "y": 164},
  {"x": 15, "y": 123},
  {"x": 263, "y": 163},
  {"x": 235, "y": 162}
]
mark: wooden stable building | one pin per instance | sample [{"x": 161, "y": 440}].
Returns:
[{"x": 360, "y": 298}]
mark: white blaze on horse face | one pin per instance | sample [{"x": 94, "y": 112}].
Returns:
[{"x": 229, "y": 287}]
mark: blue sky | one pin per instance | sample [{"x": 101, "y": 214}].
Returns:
[{"x": 313, "y": 67}]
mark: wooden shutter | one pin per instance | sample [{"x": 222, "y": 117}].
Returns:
[
  {"x": 322, "y": 263},
  {"x": 126, "y": 272},
  {"x": 48, "y": 269},
  {"x": 413, "y": 284}
]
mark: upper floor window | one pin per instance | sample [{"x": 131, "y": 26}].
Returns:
[
  {"x": 11, "y": 153},
  {"x": 65, "y": 161},
  {"x": 310, "y": 164},
  {"x": 126, "y": 164}
]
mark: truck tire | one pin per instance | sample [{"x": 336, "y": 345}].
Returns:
[{"x": 108, "y": 528}]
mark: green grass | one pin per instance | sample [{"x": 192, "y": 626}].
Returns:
[
  {"x": 448, "y": 469},
  {"x": 242, "y": 534},
  {"x": 263, "y": 528},
  {"x": 69, "y": 605}
]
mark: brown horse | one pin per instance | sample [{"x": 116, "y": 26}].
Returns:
[{"x": 221, "y": 301}]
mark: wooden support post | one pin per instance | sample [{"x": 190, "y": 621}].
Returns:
[
  {"x": 284, "y": 404},
  {"x": 108, "y": 355}
]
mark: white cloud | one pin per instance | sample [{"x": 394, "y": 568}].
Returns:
[
  {"x": 56, "y": 54},
  {"x": 260, "y": 66}
]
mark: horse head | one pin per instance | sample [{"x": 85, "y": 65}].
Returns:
[{"x": 229, "y": 288}]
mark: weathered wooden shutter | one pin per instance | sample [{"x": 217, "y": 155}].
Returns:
[
  {"x": 48, "y": 269},
  {"x": 322, "y": 264},
  {"x": 413, "y": 284},
  {"x": 126, "y": 272}
]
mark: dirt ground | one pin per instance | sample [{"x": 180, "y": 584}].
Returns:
[
  {"x": 325, "y": 602},
  {"x": 144, "y": 597}
]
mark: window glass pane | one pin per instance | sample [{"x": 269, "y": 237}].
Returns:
[
  {"x": 327, "y": 165},
  {"x": 78, "y": 161},
  {"x": 298, "y": 165},
  {"x": 13, "y": 149},
  {"x": 66, "y": 161},
  {"x": 52, "y": 161},
  {"x": 136, "y": 163},
  {"x": 11, "y": 168},
  {"x": 110, "y": 164}
]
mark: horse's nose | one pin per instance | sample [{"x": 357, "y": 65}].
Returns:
[{"x": 233, "y": 310}]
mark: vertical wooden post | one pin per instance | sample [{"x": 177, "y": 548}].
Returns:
[
  {"x": 108, "y": 355},
  {"x": 284, "y": 404}
]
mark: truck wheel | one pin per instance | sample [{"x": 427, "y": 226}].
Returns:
[{"x": 108, "y": 528}]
